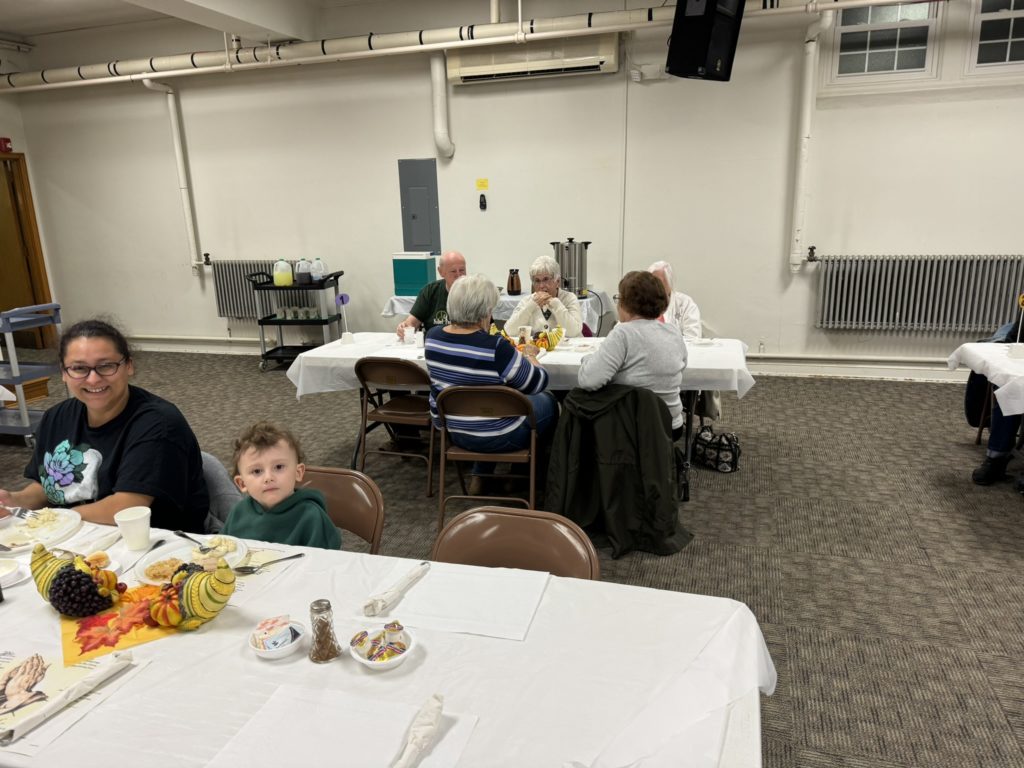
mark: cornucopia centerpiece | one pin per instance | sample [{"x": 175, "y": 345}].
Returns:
[{"x": 191, "y": 598}]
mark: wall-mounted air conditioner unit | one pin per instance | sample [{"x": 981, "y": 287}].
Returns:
[{"x": 595, "y": 54}]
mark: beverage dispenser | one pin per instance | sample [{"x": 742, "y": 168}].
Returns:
[{"x": 572, "y": 262}]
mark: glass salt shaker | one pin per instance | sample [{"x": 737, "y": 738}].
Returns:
[{"x": 324, "y": 646}]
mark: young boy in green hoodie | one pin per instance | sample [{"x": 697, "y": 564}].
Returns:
[{"x": 268, "y": 465}]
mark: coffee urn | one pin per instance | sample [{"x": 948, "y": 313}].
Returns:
[{"x": 572, "y": 262}]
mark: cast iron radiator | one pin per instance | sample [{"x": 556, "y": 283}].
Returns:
[
  {"x": 949, "y": 294},
  {"x": 235, "y": 296}
]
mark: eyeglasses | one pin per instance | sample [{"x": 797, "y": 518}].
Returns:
[
  {"x": 544, "y": 279},
  {"x": 103, "y": 369},
  {"x": 615, "y": 298}
]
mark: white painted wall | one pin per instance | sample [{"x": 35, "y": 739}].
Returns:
[{"x": 303, "y": 162}]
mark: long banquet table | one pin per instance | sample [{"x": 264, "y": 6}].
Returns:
[
  {"x": 607, "y": 674},
  {"x": 993, "y": 361},
  {"x": 712, "y": 364}
]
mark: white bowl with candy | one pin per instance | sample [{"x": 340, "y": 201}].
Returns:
[{"x": 382, "y": 648}]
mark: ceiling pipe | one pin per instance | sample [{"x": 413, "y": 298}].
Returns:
[
  {"x": 373, "y": 45},
  {"x": 181, "y": 158},
  {"x": 495, "y": 11},
  {"x": 798, "y": 205},
  {"x": 439, "y": 92}
]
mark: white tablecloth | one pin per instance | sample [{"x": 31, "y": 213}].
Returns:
[
  {"x": 713, "y": 364},
  {"x": 591, "y": 308},
  {"x": 993, "y": 361},
  {"x": 607, "y": 673}
]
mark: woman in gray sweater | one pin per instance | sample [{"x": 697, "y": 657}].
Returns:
[{"x": 641, "y": 351}]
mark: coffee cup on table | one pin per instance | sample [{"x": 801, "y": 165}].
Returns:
[
  {"x": 348, "y": 338},
  {"x": 133, "y": 523}
]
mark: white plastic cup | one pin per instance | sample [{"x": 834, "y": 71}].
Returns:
[
  {"x": 348, "y": 338},
  {"x": 419, "y": 339},
  {"x": 134, "y": 526}
]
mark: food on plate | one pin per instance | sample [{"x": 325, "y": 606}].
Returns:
[
  {"x": 71, "y": 586},
  {"x": 162, "y": 570},
  {"x": 42, "y": 518},
  {"x": 192, "y": 598},
  {"x": 98, "y": 559}
]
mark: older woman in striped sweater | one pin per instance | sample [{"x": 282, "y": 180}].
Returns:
[{"x": 464, "y": 353}]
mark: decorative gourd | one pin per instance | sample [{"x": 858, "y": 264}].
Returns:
[{"x": 192, "y": 599}]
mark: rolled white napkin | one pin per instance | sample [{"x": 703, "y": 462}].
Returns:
[
  {"x": 421, "y": 733},
  {"x": 381, "y": 602},
  {"x": 118, "y": 661}
]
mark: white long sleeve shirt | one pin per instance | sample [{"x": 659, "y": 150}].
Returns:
[
  {"x": 565, "y": 311},
  {"x": 683, "y": 313}
]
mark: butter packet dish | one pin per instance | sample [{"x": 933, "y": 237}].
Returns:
[{"x": 272, "y": 633}]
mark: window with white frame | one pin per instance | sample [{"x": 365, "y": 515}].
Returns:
[
  {"x": 885, "y": 41},
  {"x": 998, "y": 35}
]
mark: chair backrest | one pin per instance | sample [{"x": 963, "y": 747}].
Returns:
[
  {"x": 389, "y": 373},
  {"x": 492, "y": 402},
  {"x": 530, "y": 539},
  {"x": 224, "y": 494},
  {"x": 354, "y": 502}
]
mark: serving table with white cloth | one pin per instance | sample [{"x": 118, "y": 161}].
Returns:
[
  {"x": 712, "y": 363},
  {"x": 1005, "y": 373},
  {"x": 591, "y": 307},
  {"x": 607, "y": 674}
]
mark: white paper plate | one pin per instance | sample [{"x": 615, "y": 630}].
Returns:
[
  {"x": 182, "y": 550},
  {"x": 20, "y": 536},
  {"x": 12, "y": 572}
]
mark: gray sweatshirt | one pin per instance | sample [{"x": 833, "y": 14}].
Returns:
[{"x": 641, "y": 353}]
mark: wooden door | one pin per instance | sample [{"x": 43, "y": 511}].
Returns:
[{"x": 23, "y": 279}]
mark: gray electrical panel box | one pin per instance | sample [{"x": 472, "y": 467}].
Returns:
[{"x": 421, "y": 227}]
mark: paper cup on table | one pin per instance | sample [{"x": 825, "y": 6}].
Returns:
[
  {"x": 134, "y": 526},
  {"x": 348, "y": 338}
]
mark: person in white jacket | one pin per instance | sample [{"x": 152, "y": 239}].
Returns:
[
  {"x": 682, "y": 311},
  {"x": 548, "y": 306}
]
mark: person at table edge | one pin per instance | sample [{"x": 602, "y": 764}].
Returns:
[
  {"x": 112, "y": 445},
  {"x": 431, "y": 305},
  {"x": 549, "y": 305},
  {"x": 682, "y": 311}
]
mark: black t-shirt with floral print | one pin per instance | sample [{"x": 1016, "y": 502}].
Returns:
[{"x": 148, "y": 448}]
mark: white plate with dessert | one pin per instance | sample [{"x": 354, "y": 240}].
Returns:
[
  {"x": 159, "y": 565},
  {"x": 45, "y": 526}
]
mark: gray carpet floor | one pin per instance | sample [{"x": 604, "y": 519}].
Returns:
[{"x": 888, "y": 587}]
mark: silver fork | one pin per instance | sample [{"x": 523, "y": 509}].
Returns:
[
  {"x": 23, "y": 512},
  {"x": 203, "y": 549}
]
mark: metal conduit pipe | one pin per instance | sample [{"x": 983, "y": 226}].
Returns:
[
  {"x": 807, "y": 95},
  {"x": 439, "y": 92},
  {"x": 184, "y": 185},
  {"x": 372, "y": 45}
]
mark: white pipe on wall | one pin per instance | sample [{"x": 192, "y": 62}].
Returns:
[
  {"x": 495, "y": 11},
  {"x": 439, "y": 91},
  {"x": 181, "y": 158},
  {"x": 807, "y": 95}
]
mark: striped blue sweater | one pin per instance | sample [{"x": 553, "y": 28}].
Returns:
[{"x": 475, "y": 359}]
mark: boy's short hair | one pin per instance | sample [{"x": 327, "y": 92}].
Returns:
[{"x": 261, "y": 436}]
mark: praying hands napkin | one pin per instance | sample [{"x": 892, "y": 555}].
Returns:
[
  {"x": 421, "y": 732},
  {"x": 382, "y": 602},
  {"x": 117, "y": 662}
]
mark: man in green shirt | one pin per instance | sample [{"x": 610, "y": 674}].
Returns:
[{"x": 431, "y": 306}]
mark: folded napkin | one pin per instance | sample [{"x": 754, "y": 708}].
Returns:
[
  {"x": 118, "y": 661},
  {"x": 382, "y": 602},
  {"x": 421, "y": 732}
]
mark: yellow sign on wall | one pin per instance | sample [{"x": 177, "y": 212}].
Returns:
[{"x": 481, "y": 184}]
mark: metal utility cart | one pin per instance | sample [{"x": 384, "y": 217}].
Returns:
[
  {"x": 23, "y": 420},
  {"x": 324, "y": 313}
]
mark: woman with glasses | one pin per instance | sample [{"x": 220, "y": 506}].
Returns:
[
  {"x": 548, "y": 306},
  {"x": 112, "y": 445}
]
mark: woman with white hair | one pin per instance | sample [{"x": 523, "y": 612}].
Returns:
[
  {"x": 682, "y": 311},
  {"x": 464, "y": 353},
  {"x": 548, "y": 306}
]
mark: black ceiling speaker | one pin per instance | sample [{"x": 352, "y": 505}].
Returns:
[{"x": 704, "y": 36}]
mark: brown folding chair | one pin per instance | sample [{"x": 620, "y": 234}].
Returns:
[
  {"x": 354, "y": 502},
  {"x": 492, "y": 402},
  {"x": 505, "y": 537},
  {"x": 378, "y": 378}
]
